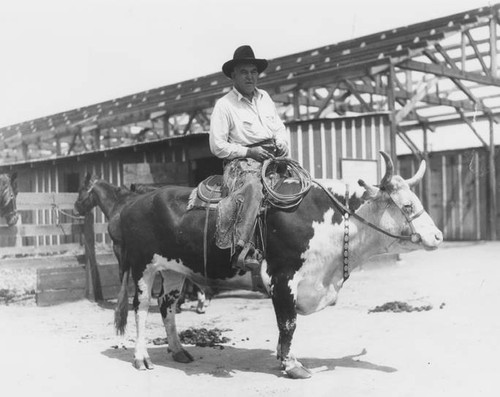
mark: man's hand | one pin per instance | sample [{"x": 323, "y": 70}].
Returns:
[
  {"x": 282, "y": 149},
  {"x": 259, "y": 154}
]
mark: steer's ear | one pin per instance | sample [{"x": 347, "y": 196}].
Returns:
[{"x": 371, "y": 191}]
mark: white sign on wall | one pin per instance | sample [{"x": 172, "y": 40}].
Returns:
[{"x": 354, "y": 170}]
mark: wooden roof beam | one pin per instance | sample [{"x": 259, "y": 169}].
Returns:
[
  {"x": 431, "y": 99},
  {"x": 203, "y": 119},
  {"x": 409, "y": 142},
  {"x": 286, "y": 99},
  {"x": 442, "y": 70},
  {"x": 455, "y": 80},
  {"x": 190, "y": 121},
  {"x": 493, "y": 48},
  {"x": 471, "y": 126},
  {"x": 421, "y": 92},
  {"x": 326, "y": 101},
  {"x": 478, "y": 54},
  {"x": 448, "y": 121},
  {"x": 461, "y": 85},
  {"x": 354, "y": 91}
]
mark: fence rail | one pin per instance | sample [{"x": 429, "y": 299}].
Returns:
[{"x": 47, "y": 226}]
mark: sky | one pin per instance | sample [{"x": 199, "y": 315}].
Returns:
[{"x": 57, "y": 55}]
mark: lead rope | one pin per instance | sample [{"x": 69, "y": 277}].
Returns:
[{"x": 346, "y": 236}]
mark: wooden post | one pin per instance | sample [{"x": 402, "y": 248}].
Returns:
[
  {"x": 427, "y": 177},
  {"x": 93, "y": 288},
  {"x": 493, "y": 47},
  {"x": 492, "y": 185},
  {"x": 463, "y": 53},
  {"x": 391, "y": 103},
  {"x": 58, "y": 146},
  {"x": 166, "y": 126},
  {"x": 296, "y": 104},
  {"x": 97, "y": 139}
]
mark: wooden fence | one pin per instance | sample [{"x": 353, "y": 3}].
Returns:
[{"x": 48, "y": 227}]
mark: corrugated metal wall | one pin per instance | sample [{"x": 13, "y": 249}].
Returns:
[{"x": 321, "y": 145}]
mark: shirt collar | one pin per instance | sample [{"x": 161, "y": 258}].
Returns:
[{"x": 258, "y": 94}]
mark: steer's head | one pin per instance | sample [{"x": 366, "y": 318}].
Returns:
[{"x": 397, "y": 210}]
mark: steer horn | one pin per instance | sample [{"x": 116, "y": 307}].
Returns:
[
  {"x": 418, "y": 176},
  {"x": 389, "y": 169}
]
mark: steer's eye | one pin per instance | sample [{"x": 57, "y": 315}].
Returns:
[{"x": 408, "y": 209}]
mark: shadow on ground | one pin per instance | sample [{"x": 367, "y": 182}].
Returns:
[{"x": 224, "y": 363}]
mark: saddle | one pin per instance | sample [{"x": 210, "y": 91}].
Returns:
[{"x": 207, "y": 194}]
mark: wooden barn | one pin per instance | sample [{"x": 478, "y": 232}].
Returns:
[
  {"x": 342, "y": 103},
  {"x": 328, "y": 148},
  {"x": 436, "y": 73}
]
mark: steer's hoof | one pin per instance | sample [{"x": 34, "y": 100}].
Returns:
[
  {"x": 298, "y": 372},
  {"x": 143, "y": 364},
  {"x": 183, "y": 356}
]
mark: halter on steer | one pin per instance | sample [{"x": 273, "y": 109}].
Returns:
[
  {"x": 281, "y": 201},
  {"x": 414, "y": 237}
]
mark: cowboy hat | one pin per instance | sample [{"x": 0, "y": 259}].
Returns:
[{"x": 243, "y": 54}]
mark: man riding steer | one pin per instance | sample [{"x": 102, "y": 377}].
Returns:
[
  {"x": 245, "y": 130},
  {"x": 310, "y": 250}
]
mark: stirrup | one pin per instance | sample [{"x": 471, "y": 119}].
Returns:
[{"x": 251, "y": 263}]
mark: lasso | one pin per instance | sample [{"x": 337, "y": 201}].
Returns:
[{"x": 291, "y": 200}]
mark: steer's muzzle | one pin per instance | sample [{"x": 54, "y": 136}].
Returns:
[{"x": 431, "y": 240}]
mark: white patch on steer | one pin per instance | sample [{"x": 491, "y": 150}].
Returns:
[
  {"x": 318, "y": 281},
  {"x": 145, "y": 285},
  {"x": 266, "y": 279},
  {"x": 239, "y": 281}
]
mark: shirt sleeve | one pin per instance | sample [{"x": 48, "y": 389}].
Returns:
[{"x": 220, "y": 126}]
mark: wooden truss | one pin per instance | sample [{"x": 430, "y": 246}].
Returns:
[{"x": 435, "y": 73}]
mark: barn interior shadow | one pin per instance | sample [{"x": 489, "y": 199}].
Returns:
[{"x": 224, "y": 363}]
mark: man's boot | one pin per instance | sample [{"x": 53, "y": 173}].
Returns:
[{"x": 246, "y": 257}]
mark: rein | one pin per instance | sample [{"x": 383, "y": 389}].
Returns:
[
  {"x": 414, "y": 237},
  {"x": 347, "y": 213}
]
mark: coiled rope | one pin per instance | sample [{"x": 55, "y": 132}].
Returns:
[{"x": 297, "y": 172}]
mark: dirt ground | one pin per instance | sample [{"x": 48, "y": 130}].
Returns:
[{"x": 451, "y": 350}]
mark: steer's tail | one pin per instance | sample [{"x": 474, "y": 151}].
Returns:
[{"x": 121, "y": 310}]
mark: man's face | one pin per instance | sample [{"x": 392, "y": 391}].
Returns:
[{"x": 245, "y": 78}]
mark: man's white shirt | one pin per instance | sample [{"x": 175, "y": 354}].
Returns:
[{"x": 237, "y": 122}]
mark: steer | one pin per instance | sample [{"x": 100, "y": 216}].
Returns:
[{"x": 310, "y": 251}]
